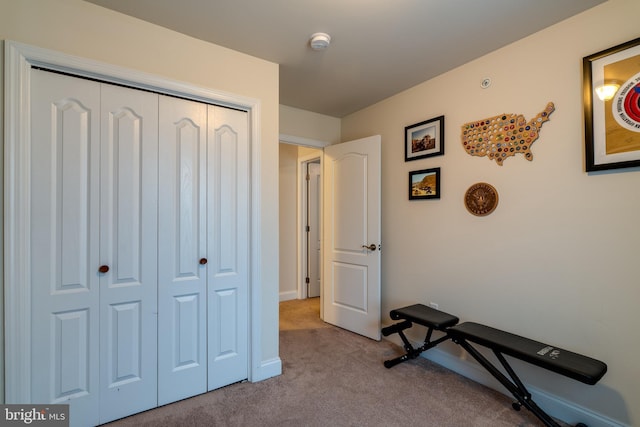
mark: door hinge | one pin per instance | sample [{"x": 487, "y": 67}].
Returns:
[
  {"x": 308, "y": 229},
  {"x": 306, "y": 280},
  {"x": 308, "y": 178}
]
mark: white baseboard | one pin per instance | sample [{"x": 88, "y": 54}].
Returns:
[
  {"x": 555, "y": 406},
  {"x": 289, "y": 295},
  {"x": 267, "y": 369}
]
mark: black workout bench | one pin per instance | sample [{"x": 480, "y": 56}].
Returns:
[
  {"x": 563, "y": 362},
  {"x": 422, "y": 315}
]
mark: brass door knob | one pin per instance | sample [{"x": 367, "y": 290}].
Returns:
[
  {"x": 103, "y": 269},
  {"x": 371, "y": 247},
  {"x": 203, "y": 261}
]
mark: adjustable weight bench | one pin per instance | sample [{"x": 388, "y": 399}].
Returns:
[
  {"x": 422, "y": 315},
  {"x": 563, "y": 362}
]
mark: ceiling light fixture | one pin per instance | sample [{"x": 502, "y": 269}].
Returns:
[{"x": 319, "y": 41}]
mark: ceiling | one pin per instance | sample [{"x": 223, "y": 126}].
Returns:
[{"x": 378, "y": 47}]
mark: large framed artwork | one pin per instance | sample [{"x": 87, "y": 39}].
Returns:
[
  {"x": 424, "y": 139},
  {"x": 611, "y": 81}
]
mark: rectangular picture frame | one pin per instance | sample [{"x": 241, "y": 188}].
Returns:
[
  {"x": 612, "y": 124},
  {"x": 424, "y": 139},
  {"x": 424, "y": 184}
]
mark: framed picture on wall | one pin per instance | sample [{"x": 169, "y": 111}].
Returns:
[
  {"x": 424, "y": 184},
  {"x": 611, "y": 81},
  {"x": 424, "y": 139}
]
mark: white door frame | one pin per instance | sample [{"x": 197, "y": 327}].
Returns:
[
  {"x": 302, "y": 254},
  {"x": 19, "y": 60},
  {"x": 300, "y": 172}
]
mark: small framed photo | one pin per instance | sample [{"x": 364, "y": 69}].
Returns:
[
  {"x": 611, "y": 80},
  {"x": 424, "y": 184},
  {"x": 424, "y": 139}
]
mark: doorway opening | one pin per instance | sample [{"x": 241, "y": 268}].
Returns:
[
  {"x": 300, "y": 220},
  {"x": 350, "y": 228}
]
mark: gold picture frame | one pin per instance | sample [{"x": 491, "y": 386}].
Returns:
[{"x": 612, "y": 121}]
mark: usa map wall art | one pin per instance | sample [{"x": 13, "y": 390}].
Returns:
[{"x": 503, "y": 136}]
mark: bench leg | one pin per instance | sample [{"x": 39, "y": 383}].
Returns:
[
  {"x": 411, "y": 352},
  {"x": 514, "y": 385}
]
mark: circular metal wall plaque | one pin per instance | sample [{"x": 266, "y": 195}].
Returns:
[{"x": 481, "y": 199}]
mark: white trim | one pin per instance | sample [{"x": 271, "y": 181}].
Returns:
[
  {"x": 2, "y": 242},
  {"x": 570, "y": 412},
  {"x": 288, "y": 296},
  {"x": 16, "y": 210},
  {"x": 19, "y": 58},
  {"x": 299, "y": 140},
  {"x": 555, "y": 406}
]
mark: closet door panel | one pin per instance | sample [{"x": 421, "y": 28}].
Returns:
[
  {"x": 64, "y": 186},
  {"x": 182, "y": 250},
  {"x": 128, "y": 247},
  {"x": 228, "y": 191}
]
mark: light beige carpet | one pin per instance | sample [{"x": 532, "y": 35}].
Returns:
[{"x": 332, "y": 377}]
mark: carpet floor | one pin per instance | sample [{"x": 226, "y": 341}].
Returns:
[{"x": 332, "y": 377}]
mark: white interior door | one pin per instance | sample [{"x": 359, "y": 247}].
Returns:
[
  {"x": 227, "y": 244},
  {"x": 128, "y": 246},
  {"x": 93, "y": 205},
  {"x": 182, "y": 245},
  {"x": 313, "y": 233},
  {"x": 351, "y": 290},
  {"x": 64, "y": 233}
]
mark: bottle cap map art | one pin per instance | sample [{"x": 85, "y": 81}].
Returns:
[{"x": 505, "y": 135}]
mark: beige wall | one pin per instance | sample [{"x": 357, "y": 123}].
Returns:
[
  {"x": 308, "y": 128},
  {"x": 309, "y": 125},
  {"x": 558, "y": 260},
  {"x": 288, "y": 221},
  {"x": 83, "y": 29}
]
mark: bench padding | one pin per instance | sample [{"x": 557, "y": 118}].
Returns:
[
  {"x": 425, "y": 316},
  {"x": 572, "y": 365},
  {"x": 420, "y": 314}
]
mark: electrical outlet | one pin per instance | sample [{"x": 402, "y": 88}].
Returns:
[{"x": 433, "y": 305}]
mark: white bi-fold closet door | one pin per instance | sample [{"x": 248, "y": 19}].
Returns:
[
  {"x": 203, "y": 251},
  {"x": 138, "y": 232}
]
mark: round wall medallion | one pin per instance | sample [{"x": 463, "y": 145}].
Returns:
[{"x": 481, "y": 199}]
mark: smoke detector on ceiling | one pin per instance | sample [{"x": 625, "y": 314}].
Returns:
[{"x": 319, "y": 41}]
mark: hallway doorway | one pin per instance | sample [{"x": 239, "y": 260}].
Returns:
[{"x": 300, "y": 221}]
